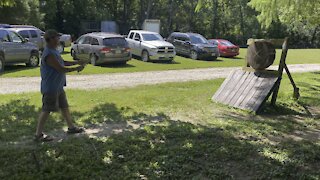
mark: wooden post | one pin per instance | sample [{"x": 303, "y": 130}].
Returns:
[
  {"x": 280, "y": 71},
  {"x": 296, "y": 93}
]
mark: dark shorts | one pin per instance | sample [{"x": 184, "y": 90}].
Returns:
[{"x": 54, "y": 102}]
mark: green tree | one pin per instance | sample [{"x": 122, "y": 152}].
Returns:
[{"x": 287, "y": 11}]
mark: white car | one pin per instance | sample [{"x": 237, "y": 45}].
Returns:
[{"x": 150, "y": 46}]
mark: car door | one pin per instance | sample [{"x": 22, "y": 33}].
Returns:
[
  {"x": 80, "y": 47},
  {"x": 8, "y": 46},
  {"x": 177, "y": 44},
  {"x": 137, "y": 44},
  {"x": 95, "y": 46},
  {"x": 21, "y": 50},
  {"x": 185, "y": 45},
  {"x": 130, "y": 40},
  {"x": 84, "y": 49},
  {"x": 35, "y": 38}
]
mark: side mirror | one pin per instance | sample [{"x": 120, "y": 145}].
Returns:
[
  {"x": 137, "y": 39},
  {"x": 187, "y": 43},
  {"x": 26, "y": 40},
  {"x": 75, "y": 42}
]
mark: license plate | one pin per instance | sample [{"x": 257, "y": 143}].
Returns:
[
  {"x": 213, "y": 54},
  {"x": 118, "y": 51}
]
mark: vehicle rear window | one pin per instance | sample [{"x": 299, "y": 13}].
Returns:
[
  {"x": 226, "y": 43},
  {"x": 34, "y": 34},
  {"x": 113, "y": 42},
  {"x": 24, "y": 33}
]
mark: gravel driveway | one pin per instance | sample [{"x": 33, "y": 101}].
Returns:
[{"x": 120, "y": 80}]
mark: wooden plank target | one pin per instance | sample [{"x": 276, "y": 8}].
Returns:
[{"x": 246, "y": 90}]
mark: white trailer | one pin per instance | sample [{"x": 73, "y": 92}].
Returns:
[{"x": 152, "y": 25}]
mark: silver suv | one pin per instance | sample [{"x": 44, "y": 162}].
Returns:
[
  {"x": 27, "y": 31},
  {"x": 15, "y": 49},
  {"x": 99, "y": 48},
  {"x": 150, "y": 46},
  {"x": 32, "y": 34}
]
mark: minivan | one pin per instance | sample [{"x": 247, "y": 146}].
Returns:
[{"x": 100, "y": 48}]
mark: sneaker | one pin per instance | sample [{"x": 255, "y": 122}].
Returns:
[
  {"x": 75, "y": 130},
  {"x": 43, "y": 138}
]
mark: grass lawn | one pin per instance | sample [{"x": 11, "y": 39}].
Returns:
[
  {"x": 295, "y": 56},
  {"x": 167, "y": 131}
]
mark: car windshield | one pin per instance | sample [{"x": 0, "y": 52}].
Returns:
[
  {"x": 227, "y": 43},
  {"x": 152, "y": 37},
  {"x": 114, "y": 42},
  {"x": 198, "y": 39}
]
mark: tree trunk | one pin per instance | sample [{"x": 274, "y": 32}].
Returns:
[
  {"x": 150, "y": 4},
  {"x": 242, "y": 24},
  {"x": 215, "y": 19},
  {"x": 170, "y": 12}
]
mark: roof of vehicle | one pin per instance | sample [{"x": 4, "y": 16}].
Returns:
[
  {"x": 143, "y": 31},
  {"x": 104, "y": 35},
  {"x": 219, "y": 39},
  {"x": 6, "y": 29},
  {"x": 188, "y": 33},
  {"x": 21, "y": 29},
  {"x": 4, "y": 26}
]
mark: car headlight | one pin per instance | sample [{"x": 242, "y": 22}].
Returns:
[{"x": 154, "y": 49}]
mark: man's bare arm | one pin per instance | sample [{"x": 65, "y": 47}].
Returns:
[
  {"x": 72, "y": 63},
  {"x": 53, "y": 62}
]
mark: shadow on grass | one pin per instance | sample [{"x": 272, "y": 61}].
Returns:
[
  {"x": 173, "y": 150},
  {"x": 16, "y": 68},
  {"x": 163, "y": 148},
  {"x": 235, "y": 57},
  {"x": 116, "y": 65},
  {"x": 18, "y": 119}
]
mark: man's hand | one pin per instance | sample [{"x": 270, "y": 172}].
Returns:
[
  {"x": 80, "y": 68},
  {"x": 82, "y": 62}
]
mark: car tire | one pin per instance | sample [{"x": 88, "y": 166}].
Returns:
[
  {"x": 60, "y": 48},
  {"x": 93, "y": 60},
  {"x": 122, "y": 63},
  {"x": 1, "y": 64},
  {"x": 214, "y": 58},
  {"x": 33, "y": 60},
  {"x": 145, "y": 56},
  {"x": 194, "y": 55}
]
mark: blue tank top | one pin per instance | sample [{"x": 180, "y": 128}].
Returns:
[{"x": 52, "y": 81}]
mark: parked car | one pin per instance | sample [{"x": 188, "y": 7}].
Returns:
[
  {"x": 99, "y": 48},
  {"x": 226, "y": 48},
  {"x": 31, "y": 34},
  {"x": 150, "y": 46},
  {"x": 193, "y": 45},
  {"x": 65, "y": 39},
  {"x": 15, "y": 49}
]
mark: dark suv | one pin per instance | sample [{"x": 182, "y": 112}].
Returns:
[{"x": 193, "y": 45}]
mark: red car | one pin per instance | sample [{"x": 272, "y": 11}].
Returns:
[{"x": 226, "y": 48}]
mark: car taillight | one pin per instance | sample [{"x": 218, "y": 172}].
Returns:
[
  {"x": 127, "y": 49},
  {"x": 105, "y": 50}
]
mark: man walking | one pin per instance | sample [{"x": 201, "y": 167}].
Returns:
[{"x": 53, "y": 80}]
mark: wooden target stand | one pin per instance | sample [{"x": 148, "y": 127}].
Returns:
[{"x": 249, "y": 89}]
